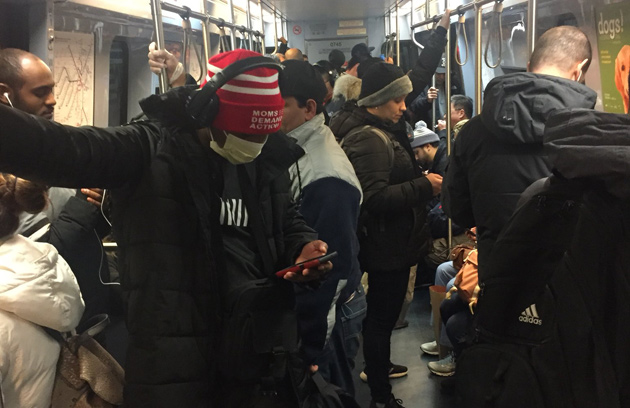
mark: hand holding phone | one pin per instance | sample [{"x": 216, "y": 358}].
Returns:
[{"x": 308, "y": 264}]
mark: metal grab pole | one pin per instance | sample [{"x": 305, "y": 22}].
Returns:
[
  {"x": 447, "y": 87},
  {"x": 249, "y": 25},
  {"x": 397, "y": 37},
  {"x": 531, "y": 26},
  {"x": 262, "y": 29},
  {"x": 232, "y": 26},
  {"x": 275, "y": 31},
  {"x": 156, "y": 12},
  {"x": 206, "y": 35},
  {"x": 478, "y": 56}
]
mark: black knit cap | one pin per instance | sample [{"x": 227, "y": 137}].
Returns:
[
  {"x": 382, "y": 82},
  {"x": 365, "y": 65},
  {"x": 300, "y": 79}
]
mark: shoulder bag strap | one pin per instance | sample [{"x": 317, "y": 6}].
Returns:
[{"x": 379, "y": 132}]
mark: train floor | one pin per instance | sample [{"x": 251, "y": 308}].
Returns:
[{"x": 420, "y": 388}]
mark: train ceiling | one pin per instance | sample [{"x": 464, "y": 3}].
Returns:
[{"x": 300, "y": 10}]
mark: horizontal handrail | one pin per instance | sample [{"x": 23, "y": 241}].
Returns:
[
  {"x": 459, "y": 10},
  {"x": 219, "y": 22}
]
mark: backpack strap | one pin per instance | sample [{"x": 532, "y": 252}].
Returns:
[{"x": 381, "y": 133}]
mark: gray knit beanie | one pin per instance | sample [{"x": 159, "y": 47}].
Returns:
[{"x": 381, "y": 83}]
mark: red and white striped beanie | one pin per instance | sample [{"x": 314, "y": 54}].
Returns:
[{"x": 250, "y": 103}]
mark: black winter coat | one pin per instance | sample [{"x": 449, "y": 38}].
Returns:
[
  {"x": 392, "y": 228},
  {"x": 566, "y": 252},
  {"x": 500, "y": 152},
  {"x": 169, "y": 251}
]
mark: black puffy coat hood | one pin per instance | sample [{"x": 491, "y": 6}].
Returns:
[
  {"x": 516, "y": 106},
  {"x": 591, "y": 145}
]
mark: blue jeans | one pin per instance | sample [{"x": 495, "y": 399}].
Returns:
[
  {"x": 444, "y": 273},
  {"x": 338, "y": 357}
]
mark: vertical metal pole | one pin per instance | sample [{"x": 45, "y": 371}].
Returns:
[
  {"x": 262, "y": 28},
  {"x": 156, "y": 12},
  {"x": 232, "y": 33},
  {"x": 447, "y": 89},
  {"x": 387, "y": 32},
  {"x": 206, "y": 35},
  {"x": 398, "y": 36},
  {"x": 478, "y": 57},
  {"x": 531, "y": 26},
  {"x": 282, "y": 27},
  {"x": 249, "y": 25},
  {"x": 275, "y": 30}
]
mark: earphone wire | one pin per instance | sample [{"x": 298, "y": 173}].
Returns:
[{"x": 6, "y": 95}]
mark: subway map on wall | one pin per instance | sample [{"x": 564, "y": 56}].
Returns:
[{"x": 74, "y": 78}]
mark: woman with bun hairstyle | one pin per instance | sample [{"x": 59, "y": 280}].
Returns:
[
  {"x": 37, "y": 289},
  {"x": 392, "y": 231}
]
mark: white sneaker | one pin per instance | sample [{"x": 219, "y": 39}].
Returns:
[
  {"x": 430, "y": 348},
  {"x": 444, "y": 368}
]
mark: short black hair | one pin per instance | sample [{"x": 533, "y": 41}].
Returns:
[
  {"x": 11, "y": 67},
  {"x": 302, "y": 81},
  {"x": 463, "y": 102}
]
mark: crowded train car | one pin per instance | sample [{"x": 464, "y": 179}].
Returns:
[{"x": 355, "y": 203}]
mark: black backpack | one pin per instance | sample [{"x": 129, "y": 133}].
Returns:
[{"x": 540, "y": 333}]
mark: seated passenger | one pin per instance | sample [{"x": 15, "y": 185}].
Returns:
[{"x": 37, "y": 290}]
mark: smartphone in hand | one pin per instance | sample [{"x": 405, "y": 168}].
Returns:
[{"x": 308, "y": 264}]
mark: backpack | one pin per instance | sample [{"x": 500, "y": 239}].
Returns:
[{"x": 538, "y": 341}]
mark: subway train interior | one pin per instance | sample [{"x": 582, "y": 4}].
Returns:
[{"x": 97, "y": 51}]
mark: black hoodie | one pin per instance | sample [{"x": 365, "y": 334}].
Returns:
[{"x": 500, "y": 152}]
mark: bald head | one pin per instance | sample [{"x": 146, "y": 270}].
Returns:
[
  {"x": 294, "y": 54},
  {"x": 562, "y": 51},
  {"x": 27, "y": 82}
]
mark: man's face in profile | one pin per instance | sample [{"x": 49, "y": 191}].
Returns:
[{"x": 36, "y": 94}]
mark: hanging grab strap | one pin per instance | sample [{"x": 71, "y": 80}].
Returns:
[
  {"x": 243, "y": 31},
  {"x": 495, "y": 26},
  {"x": 223, "y": 42},
  {"x": 187, "y": 28},
  {"x": 461, "y": 27}
]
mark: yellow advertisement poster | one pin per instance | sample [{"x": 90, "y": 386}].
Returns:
[{"x": 614, "y": 55}]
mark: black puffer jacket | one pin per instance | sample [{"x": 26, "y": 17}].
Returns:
[
  {"x": 169, "y": 251},
  {"x": 392, "y": 230},
  {"x": 499, "y": 153},
  {"x": 566, "y": 253}
]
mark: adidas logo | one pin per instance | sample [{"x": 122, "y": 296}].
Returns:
[{"x": 530, "y": 315}]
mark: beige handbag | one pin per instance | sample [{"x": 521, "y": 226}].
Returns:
[{"x": 87, "y": 375}]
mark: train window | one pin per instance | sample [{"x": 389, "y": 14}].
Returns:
[{"x": 118, "y": 82}]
